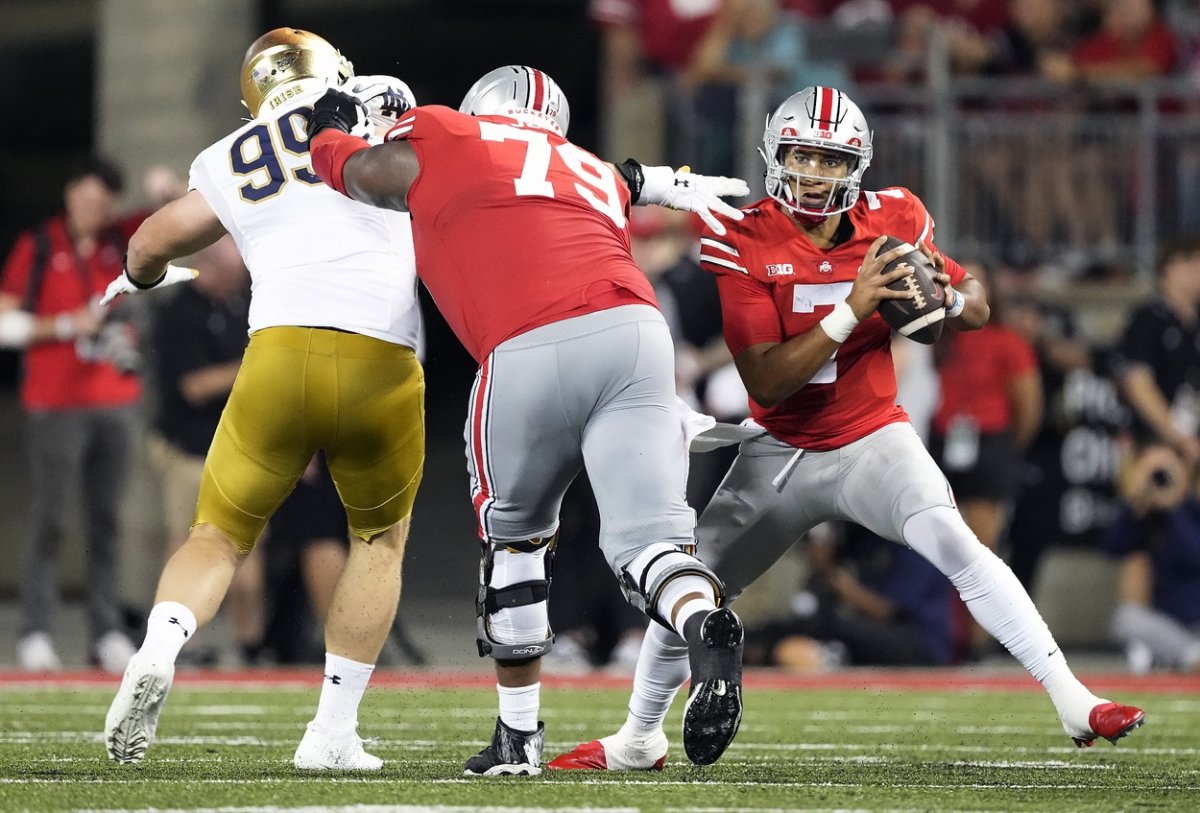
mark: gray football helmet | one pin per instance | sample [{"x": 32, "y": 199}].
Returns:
[
  {"x": 521, "y": 93},
  {"x": 824, "y": 118}
]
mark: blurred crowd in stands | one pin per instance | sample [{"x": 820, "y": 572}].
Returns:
[{"x": 1050, "y": 437}]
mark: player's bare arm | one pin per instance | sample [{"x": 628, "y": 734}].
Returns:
[
  {"x": 973, "y": 311},
  {"x": 180, "y": 228},
  {"x": 773, "y": 371},
  {"x": 382, "y": 175}
]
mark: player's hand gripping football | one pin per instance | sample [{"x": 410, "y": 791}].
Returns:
[
  {"x": 688, "y": 192},
  {"x": 954, "y": 301},
  {"x": 870, "y": 286},
  {"x": 124, "y": 285}
]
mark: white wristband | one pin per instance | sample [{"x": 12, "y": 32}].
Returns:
[
  {"x": 840, "y": 321},
  {"x": 956, "y": 308},
  {"x": 657, "y": 185}
]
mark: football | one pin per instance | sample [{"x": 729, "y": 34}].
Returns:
[{"x": 921, "y": 317}]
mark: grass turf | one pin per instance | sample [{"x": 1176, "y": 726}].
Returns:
[{"x": 869, "y": 748}]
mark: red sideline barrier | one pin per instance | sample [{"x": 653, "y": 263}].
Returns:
[{"x": 850, "y": 679}]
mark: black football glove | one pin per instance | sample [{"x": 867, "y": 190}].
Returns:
[{"x": 338, "y": 110}]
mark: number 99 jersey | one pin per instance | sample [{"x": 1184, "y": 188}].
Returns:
[
  {"x": 514, "y": 226},
  {"x": 316, "y": 258}
]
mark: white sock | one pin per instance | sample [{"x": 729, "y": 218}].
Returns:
[
  {"x": 519, "y": 706},
  {"x": 662, "y": 668},
  {"x": 169, "y": 626},
  {"x": 1000, "y": 604},
  {"x": 342, "y": 691},
  {"x": 677, "y": 589}
]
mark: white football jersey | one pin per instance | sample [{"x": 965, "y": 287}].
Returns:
[{"x": 316, "y": 257}]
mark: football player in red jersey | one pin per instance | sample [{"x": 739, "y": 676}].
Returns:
[
  {"x": 522, "y": 239},
  {"x": 800, "y": 280}
]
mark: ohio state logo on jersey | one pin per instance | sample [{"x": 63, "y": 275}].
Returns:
[{"x": 825, "y": 267}]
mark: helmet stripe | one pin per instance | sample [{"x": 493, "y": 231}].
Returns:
[
  {"x": 539, "y": 90},
  {"x": 825, "y": 96}
]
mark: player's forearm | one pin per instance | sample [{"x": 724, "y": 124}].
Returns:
[
  {"x": 976, "y": 311},
  {"x": 772, "y": 373},
  {"x": 380, "y": 175}
]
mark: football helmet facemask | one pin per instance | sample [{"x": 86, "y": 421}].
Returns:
[
  {"x": 522, "y": 93},
  {"x": 822, "y": 118},
  {"x": 289, "y": 55}
]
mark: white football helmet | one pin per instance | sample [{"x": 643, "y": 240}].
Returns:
[
  {"x": 824, "y": 118},
  {"x": 521, "y": 93},
  {"x": 289, "y": 55}
]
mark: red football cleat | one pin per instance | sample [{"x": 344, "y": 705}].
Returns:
[
  {"x": 590, "y": 756},
  {"x": 1112, "y": 721}
]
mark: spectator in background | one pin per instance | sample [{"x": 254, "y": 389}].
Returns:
[
  {"x": 80, "y": 392},
  {"x": 1065, "y": 493},
  {"x": 990, "y": 410},
  {"x": 869, "y": 602},
  {"x": 200, "y": 335},
  {"x": 1157, "y": 534},
  {"x": 749, "y": 41},
  {"x": 991, "y": 406},
  {"x": 917, "y": 21},
  {"x": 1159, "y": 370},
  {"x": 646, "y": 45}
]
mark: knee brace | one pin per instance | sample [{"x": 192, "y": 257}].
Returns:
[
  {"x": 511, "y": 611},
  {"x": 643, "y": 579}
]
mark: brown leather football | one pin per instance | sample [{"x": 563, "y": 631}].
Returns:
[{"x": 920, "y": 318}]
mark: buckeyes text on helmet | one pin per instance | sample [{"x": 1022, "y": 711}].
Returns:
[
  {"x": 285, "y": 58},
  {"x": 519, "y": 92},
  {"x": 821, "y": 118}
]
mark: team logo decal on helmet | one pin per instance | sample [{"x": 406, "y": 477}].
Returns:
[
  {"x": 519, "y": 92},
  {"x": 285, "y": 57},
  {"x": 821, "y": 118}
]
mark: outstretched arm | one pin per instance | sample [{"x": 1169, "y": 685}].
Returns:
[{"x": 379, "y": 175}]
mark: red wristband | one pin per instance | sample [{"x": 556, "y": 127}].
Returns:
[{"x": 329, "y": 151}]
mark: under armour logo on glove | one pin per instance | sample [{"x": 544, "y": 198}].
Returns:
[
  {"x": 177, "y": 623},
  {"x": 336, "y": 680}
]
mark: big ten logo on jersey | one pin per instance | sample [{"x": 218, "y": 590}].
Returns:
[
  {"x": 597, "y": 183},
  {"x": 272, "y": 153},
  {"x": 806, "y": 299},
  {"x": 779, "y": 270}
]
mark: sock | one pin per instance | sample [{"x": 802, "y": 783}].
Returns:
[
  {"x": 345, "y": 683},
  {"x": 677, "y": 589},
  {"x": 1002, "y": 607},
  {"x": 169, "y": 626},
  {"x": 519, "y": 706},
  {"x": 662, "y": 668}
]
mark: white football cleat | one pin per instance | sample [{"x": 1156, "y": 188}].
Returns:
[
  {"x": 133, "y": 716},
  {"x": 618, "y": 752},
  {"x": 318, "y": 751},
  {"x": 35, "y": 653}
]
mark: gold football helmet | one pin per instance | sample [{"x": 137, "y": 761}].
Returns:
[{"x": 288, "y": 55}]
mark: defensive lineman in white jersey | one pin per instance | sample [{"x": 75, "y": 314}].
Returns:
[{"x": 330, "y": 364}]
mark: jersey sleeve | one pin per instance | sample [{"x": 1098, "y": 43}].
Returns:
[
  {"x": 201, "y": 179},
  {"x": 720, "y": 255},
  {"x": 922, "y": 228},
  {"x": 748, "y": 313}
]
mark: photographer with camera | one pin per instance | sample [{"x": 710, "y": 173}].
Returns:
[
  {"x": 1157, "y": 532},
  {"x": 80, "y": 391}
]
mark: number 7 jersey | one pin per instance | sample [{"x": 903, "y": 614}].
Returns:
[
  {"x": 514, "y": 226},
  {"x": 316, "y": 258}
]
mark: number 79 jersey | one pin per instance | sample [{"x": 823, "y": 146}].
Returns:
[
  {"x": 316, "y": 258},
  {"x": 514, "y": 226}
]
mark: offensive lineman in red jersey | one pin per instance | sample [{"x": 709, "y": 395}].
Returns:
[
  {"x": 800, "y": 280},
  {"x": 522, "y": 239}
]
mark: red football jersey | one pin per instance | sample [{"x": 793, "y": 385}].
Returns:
[
  {"x": 515, "y": 227},
  {"x": 776, "y": 284}
]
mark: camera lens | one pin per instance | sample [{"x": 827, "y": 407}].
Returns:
[{"x": 1161, "y": 477}]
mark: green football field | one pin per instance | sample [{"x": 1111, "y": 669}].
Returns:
[{"x": 889, "y": 742}]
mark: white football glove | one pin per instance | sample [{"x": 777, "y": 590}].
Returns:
[
  {"x": 385, "y": 98},
  {"x": 123, "y": 285},
  {"x": 693, "y": 193}
]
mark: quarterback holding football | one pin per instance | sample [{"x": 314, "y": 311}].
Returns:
[{"x": 803, "y": 278}]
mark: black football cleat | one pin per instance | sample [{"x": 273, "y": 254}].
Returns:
[
  {"x": 714, "y": 705},
  {"x": 511, "y": 753}
]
